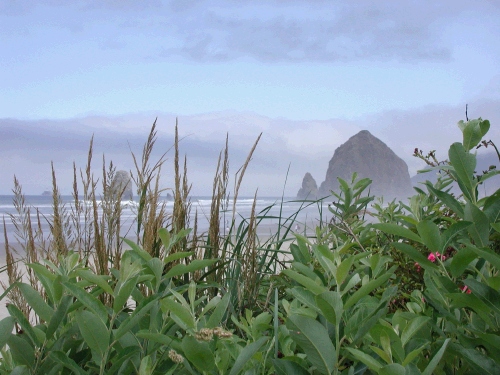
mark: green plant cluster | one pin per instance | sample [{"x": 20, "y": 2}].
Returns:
[{"x": 396, "y": 288}]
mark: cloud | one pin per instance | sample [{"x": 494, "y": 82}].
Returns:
[
  {"x": 326, "y": 33},
  {"x": 267, "y": 31},
  {"x": 303, "y": 146}
]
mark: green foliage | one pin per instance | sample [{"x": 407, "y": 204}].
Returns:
[{"x": 416, "y": 293}]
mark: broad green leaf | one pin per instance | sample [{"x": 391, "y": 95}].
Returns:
[
  {"x": 185, "y": 319},
  {"x": 146, "y": 367},
  {"x": 164, "y": 237},
  {"x": 61, "y": 357},
  {"x": 36, "y": 302},
  {"x": 58, "y": 316},
  {"x": 24, "y": 323},
  {"x": 361, "y": 185},
  {"x": 451, "y": 232},
  {"x": 133, "y": 319},
  {"x": 448, "y": 199},
  {"x": 219, "y": 312},
  {"x": 343, "y": 270},
  {"x": 46, "y": 278},
  {"x": 367, "y": 323},
  {"x": 430, "y": 235},
  {"x": 286, "y": 367},
  {"x": 414, "y": 354},
  {"x": 487, "y": 294},
  {"x": 195, "y": 265},
  {"x": 492, "y": 207},
  {"x": 306, "y": 297},
  {"x": 381, "y": 353},
  {"x": 137, "y": 249},
  {"x": 20, "y": 370},
  {"x": 472, "y": 134},
  {"x": 480, "y": 363},
  {"x": 199, "y": 354},
  {"x": 460, "y": 300},
  {"x": 313, "y": 338},
  {"x": 464, "y": 164},
  {"x": 413, "y": 327},
  {"x": 491, "y": 338},
  {"x": 22, "y": 352},
  {"x": 488, "y": 255},
  {"x": 305, "y": 270},
  {"x": 331, "y": 306},
  {"x": 480, "y": 228},
  {"x": 303, "y": 248},
  {"x": 397, "y": 230},
  {"x": 311, "y": 285},
  {"x": 88, "y": 300},
  {"x": 353, "y": 281},
  {"x": 99, "y": 280},
  {"x": 369, "y": 287},
  {"x": 297, "y": 255},
  {"x": 484, "y": 125},
  {"x": 461, "y": 260},
  {"x": 415, "y": 255},
  {"x": 246, "y": 354},
  {"x": 325, "y": 251},
  {"x": 392, "y": 369},
  {"x": 177, "y": 256},
  {"x": 122, "y": 293},
  {"x": 429, "y": 370},
  {"x": 496, "y": 226},
  {"x": 6, "y": 327},
  {"x": 94, "y": 332},
  {"x": 155, "y": 337},
  {"x": 367, "y": 359}
]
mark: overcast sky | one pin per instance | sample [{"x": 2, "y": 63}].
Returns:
[{"x": 308, "y": 74}]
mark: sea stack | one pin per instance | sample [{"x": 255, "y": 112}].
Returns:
[
  {"x": 121, "y": 186},
  {"x": 309, "y": 189},
  {"x": 369, "y": 157}
]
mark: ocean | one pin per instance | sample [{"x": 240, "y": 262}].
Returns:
[{"x": 270, "y": 207}]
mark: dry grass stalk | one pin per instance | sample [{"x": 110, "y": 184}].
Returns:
[
  {"x": 83, "y": 239},
  {"x": 249, "y": 279},
  {"x": 197, "y": 250},
  {"x": 58, "y": 245},
  {"x": 154, "y": 219},
  {"x": 111, "y": 214},
  {"x": 100, "y": 259},
  {"x": 219, "y": 189},
  {"x": 239, "y": 175},
  {"x": 149, "y": 218},
  {"x": 14, "y": 274},
  {"x": 182, "y": 206}
]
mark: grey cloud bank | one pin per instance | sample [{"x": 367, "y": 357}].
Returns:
[{"x": 305, "y": 146}]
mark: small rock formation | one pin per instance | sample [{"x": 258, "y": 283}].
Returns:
[
  {"x": 369, "y": 157},
  {"x": 309, "y": 188},
  {"x": 122, "y": 184}
]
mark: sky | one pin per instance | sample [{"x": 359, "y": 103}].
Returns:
[{"x": 306, "y": 74}]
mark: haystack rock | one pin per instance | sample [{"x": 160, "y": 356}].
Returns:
[
  {"x": 369, "y": 157},
  {"x": 309, "y": 188},
  {"x": 122, "y": 182}
]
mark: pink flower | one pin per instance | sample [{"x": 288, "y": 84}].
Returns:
[
  {"x": 465, "y": 289},
  {"x": 437, "y": 255}
]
